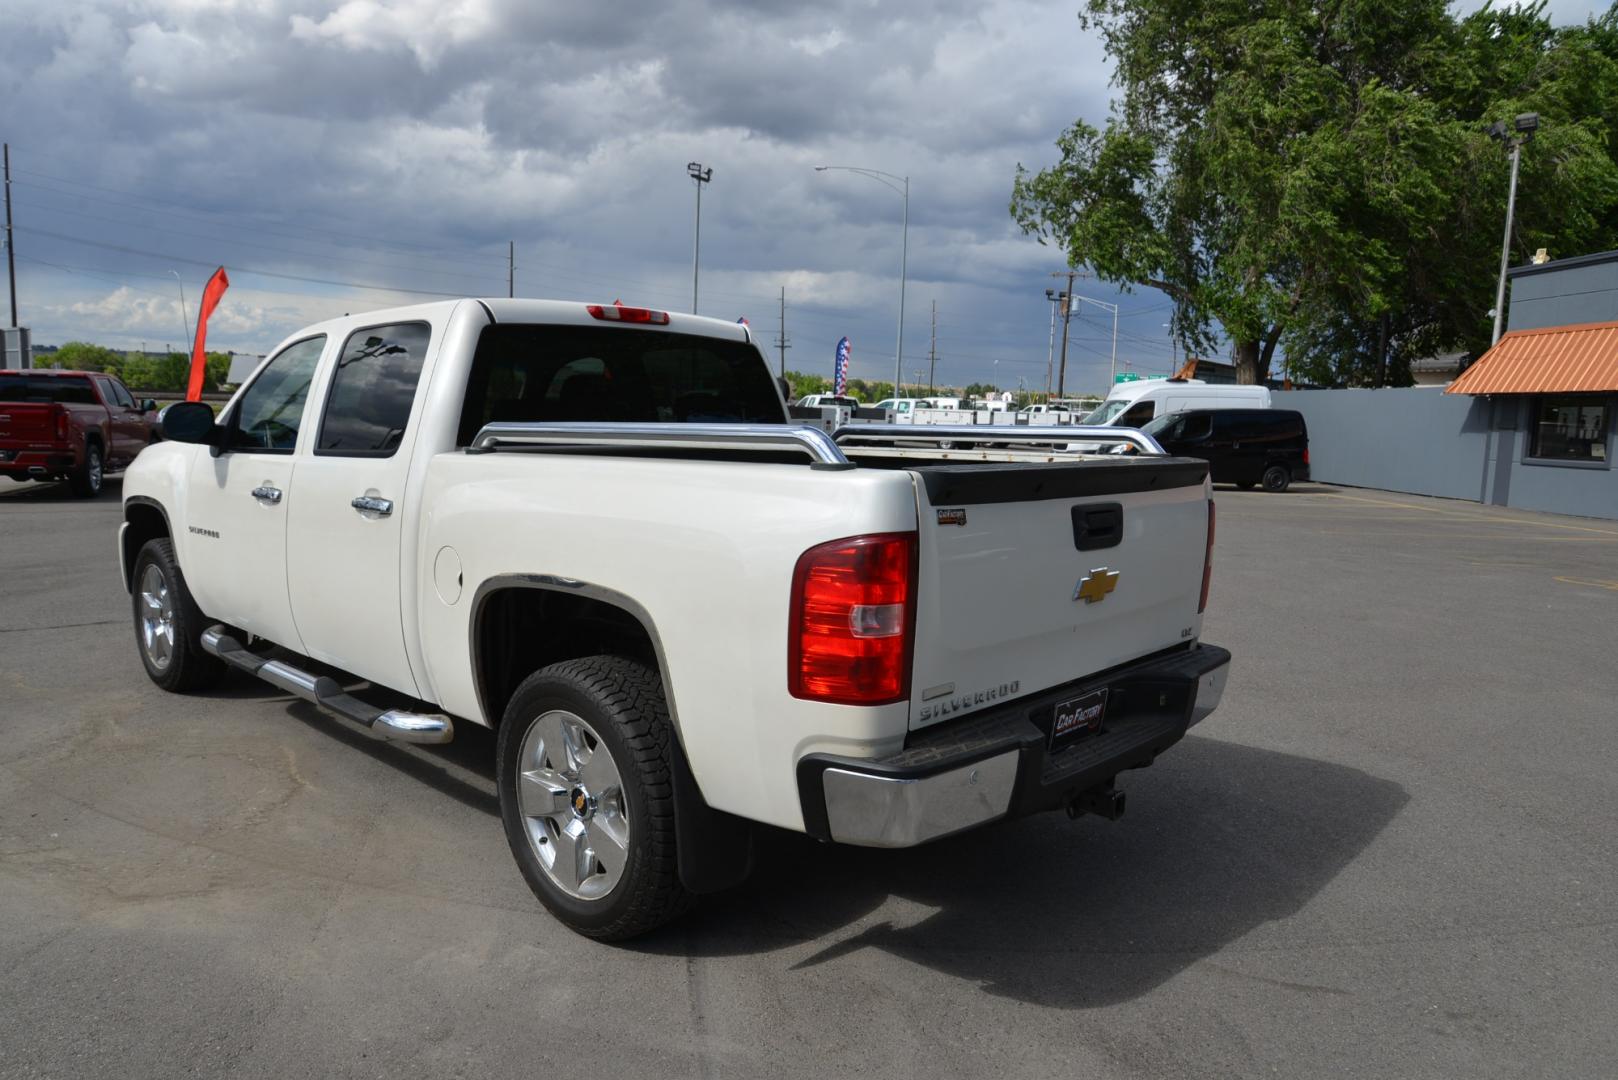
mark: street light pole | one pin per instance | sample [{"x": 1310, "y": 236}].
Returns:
[
  {"x": 1114, "y": 309},
  {"x": 1526, "y": 124},
  {"x": 885, "y": 178},
  {"x": 185, "y": 317},
  {"x": 702, "y": 176}
]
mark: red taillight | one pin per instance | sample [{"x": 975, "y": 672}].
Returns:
[
  {"x": 1207, "y": 561},
  {"x": 61, "y": 422},
  {"x": 1306, "y": 455},
  {"x": 619, "y": 313},
  {"x": 853, "y": 620}
]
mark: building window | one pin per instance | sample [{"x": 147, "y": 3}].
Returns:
[{"x": 1569, "y": 428}]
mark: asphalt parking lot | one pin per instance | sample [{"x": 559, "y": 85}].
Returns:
[{"x": 1392, "y": 852}]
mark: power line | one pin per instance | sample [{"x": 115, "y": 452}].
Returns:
[
  {"x": 187, "y": 209},
  {"x": 317, "y": 256},
  {"x": 238, "y": 269}
]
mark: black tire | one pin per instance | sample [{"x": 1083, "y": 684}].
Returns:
[
  {"x": 86, "y": 479},
  {"x": 187, "y": 666},
  {"x": 622, "y": 701},
  {"x": 1276, "y": 478}
]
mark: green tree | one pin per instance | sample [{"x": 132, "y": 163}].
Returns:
[
  {"x": 1319, "y": 175},
  {"x": 82, "y": 356}
]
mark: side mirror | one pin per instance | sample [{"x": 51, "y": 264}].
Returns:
[
  {"x": 189, "y": 422},
  {"x": 148, "y": 405}
]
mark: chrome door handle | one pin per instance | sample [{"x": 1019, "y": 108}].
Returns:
[
  {"x": 267, "y": 494},
  {"x": 370, "y": 504}
]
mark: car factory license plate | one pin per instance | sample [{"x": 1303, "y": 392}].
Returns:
[{"x": 1078, "y": 715}]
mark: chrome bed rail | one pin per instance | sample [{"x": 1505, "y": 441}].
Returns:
[
  {"x": 823, "y": 453},
  {"x": 990, "y": 433}
]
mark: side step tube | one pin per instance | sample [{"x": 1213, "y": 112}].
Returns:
[{"x": 394, "y": 724}]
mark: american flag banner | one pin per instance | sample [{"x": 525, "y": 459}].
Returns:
[{"x": 840, "y": 379}]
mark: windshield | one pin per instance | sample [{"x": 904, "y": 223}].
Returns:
[
  {"x": 1104, "y": 413},
  {"x": 1152, "y": 427},
  {"x": 539, "y": 373}
]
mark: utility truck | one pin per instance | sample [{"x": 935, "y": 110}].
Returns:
[{"x": 590, "y": 528}]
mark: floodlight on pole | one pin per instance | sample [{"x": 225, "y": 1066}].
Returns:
[
  {"x": 1526, "y": 124},
  {"x": 889, "y": 180},
  {"x": 696, "y": 172}
]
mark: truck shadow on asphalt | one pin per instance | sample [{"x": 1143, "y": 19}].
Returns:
[{"x": 1219, "y": 839}]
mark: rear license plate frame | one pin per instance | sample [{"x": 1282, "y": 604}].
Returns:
[{"x": 1077, "y": 716}]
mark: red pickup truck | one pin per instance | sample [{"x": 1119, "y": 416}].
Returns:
[{"x": 76, "y": 425}]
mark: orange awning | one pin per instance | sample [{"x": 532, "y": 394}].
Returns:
[{"x": 1551, "y": 360}]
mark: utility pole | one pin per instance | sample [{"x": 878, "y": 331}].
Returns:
[
  {"x": 1067, "y": 314},
  {"x": 11, "y": 242},
  {"x": 702, "y": 176},
  {"x": 932, "y": 353},
  {"x": 511, "y": 268},
  {"x": 781, "y": 339}
]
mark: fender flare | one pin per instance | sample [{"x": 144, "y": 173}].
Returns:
[{"x": 715, "y": 850}]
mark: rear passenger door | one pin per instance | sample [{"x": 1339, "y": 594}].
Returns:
[
  {"x": 345, "y": 531},
  {"x": 128, "y": 426}
]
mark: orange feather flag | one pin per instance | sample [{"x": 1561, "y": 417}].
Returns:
[{"x": 199, "y": 352}]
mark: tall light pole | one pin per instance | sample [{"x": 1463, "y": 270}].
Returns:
[
  {"x": 887, "y": 179},
  {"x": 1526, "y": 124},
  {"x": 185, "y": 318},
  {"x": 702, "y": 176},
  {"x": 1055, "y": 297},
  {"x": 1114, "y": 309}
]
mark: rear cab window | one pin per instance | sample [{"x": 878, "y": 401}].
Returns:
[
  {"x": 535, "y": 373},
  {"x": 47, "y": 389}
]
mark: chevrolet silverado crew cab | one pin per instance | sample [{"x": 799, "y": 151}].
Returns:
[{"x": 591, "y": 528}]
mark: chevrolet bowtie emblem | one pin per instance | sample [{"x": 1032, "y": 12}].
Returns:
[{"x": 1094, "y": 586}]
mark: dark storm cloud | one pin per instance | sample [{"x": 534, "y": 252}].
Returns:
[{"x": 402, "y": 144}]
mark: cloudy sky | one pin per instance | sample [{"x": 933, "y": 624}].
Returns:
[{"x": 342, "y": 155}]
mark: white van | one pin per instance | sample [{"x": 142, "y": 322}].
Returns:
[{"x": 1131, "y": 404}]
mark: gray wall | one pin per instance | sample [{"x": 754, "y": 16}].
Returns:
[
  {"x": 1426, "y": 442},
  {"x": 1564, "y": 293},
  {"x": 1418, "y": 440}
]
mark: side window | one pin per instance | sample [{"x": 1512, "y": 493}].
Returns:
[
  {"x": 270, "y": 412},
  {"x": 1137, "y": 415},
  {"x": 104, "y": 385},
  {"x": 1195, "y": 426},
  {"x": 121, "y": 395},
  {"x": 372, "y": 390}
]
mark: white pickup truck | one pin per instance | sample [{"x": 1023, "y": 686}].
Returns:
[{"x": 590, "y": 528}]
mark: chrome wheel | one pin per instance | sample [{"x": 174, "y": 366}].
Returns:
[
  {"x": 571, "y": 797},
  {"x": 156, "y": 619},
  {"x": 95, "y": 470}
]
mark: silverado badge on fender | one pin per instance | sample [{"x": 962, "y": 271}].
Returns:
[{"x": 1094, "y": 586}]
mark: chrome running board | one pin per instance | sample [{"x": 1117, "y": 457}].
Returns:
[{"x": 393, "y": 724}]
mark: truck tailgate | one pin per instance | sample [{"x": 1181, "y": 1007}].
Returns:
[
  {"x": 26, "y": 423},
  {"x": 1004, "y": 549}
]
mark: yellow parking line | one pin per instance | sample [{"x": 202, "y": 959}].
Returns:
[
  {"x": 1467, "y": 516},
  {"x": 1598, "y": 583}
]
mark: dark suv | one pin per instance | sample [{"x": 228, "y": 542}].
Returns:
[{"x": 1242, "y": 446}]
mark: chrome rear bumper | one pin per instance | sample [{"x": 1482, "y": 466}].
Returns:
[{"x": 1000, "y": 763}]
